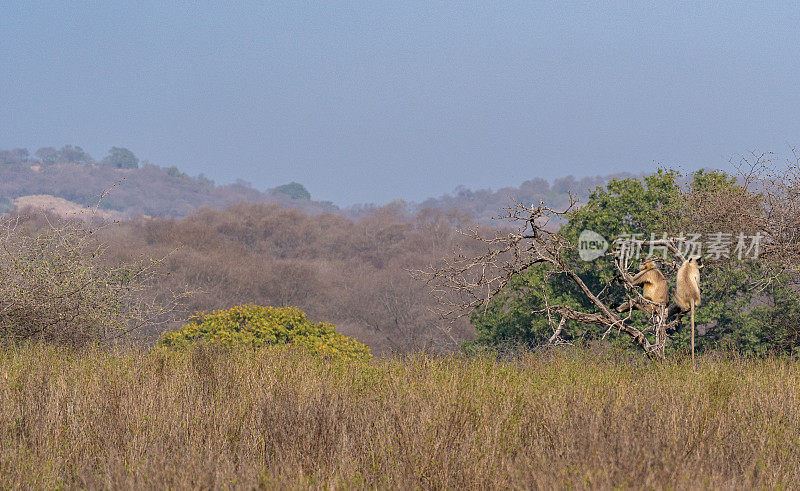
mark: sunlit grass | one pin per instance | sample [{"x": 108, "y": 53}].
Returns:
[{"x": 279, "y": 417}]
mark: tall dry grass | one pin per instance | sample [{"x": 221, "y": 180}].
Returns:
[{"x": 280, "y": 418}]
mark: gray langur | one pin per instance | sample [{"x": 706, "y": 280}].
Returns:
[
  {"x": 654, "y": 287},
  {"x": 687, "y": 291}
]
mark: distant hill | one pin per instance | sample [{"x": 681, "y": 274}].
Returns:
[
  {"x": 128, "y": 188},
  {"x": 485, "y": 204},
  {"x": 58, "y": 178}
]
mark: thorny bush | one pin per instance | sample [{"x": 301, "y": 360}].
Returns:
[{"x": 55, "y": 286}]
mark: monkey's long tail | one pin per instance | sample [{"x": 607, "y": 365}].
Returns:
[{"x": 692, "y": 307}]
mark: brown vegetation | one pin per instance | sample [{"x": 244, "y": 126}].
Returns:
[
  {"x": 354, "y": 274},
  {"x": 280, "y": 418}
]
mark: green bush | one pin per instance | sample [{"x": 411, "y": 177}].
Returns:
[{"x": 254, "y": 325}]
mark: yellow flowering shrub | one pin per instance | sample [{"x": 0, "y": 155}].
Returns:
[{"x": 255, "y": 325}]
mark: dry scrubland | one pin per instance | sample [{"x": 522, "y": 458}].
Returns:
[
  {"x": 351, "y": 273},
  {"x": 277, "y": 417}
]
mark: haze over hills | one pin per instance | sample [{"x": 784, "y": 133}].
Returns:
[
  {"x": 129, "y": 187},
  {"x": 66, "y": 179}
]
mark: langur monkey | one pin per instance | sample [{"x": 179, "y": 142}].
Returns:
[
  {"x": 687, "y": 291},
  {"x": 654, "y": 287}
]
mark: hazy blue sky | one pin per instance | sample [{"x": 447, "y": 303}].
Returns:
[{"x": 369, "y": 101}]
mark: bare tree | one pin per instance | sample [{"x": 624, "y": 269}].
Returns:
[
  {"x": 771, "y": 197},
  {"x": 765, "y": 203}
]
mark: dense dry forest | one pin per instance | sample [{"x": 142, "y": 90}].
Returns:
[{"x": 354, "y": 273}]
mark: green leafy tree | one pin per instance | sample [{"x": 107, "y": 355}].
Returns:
[
  {"x": 15, "y": 156},
  {"x": 176, "y": 173},
  {"x": 512, "y": 317},
  {"x": 74, "y": 155},
  {"x": 649, "y": 208},
  {"x": 294, "y": 190},
  {"x": 47, "y": 155},
  {"x": 630, "y": 206},
  {"x": 121, "y": 158},
  {"x": 773, "y": 326}
]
